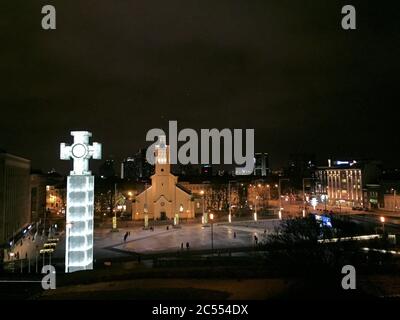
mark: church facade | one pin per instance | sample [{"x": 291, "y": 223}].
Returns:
[{"x": 164, "y": 199}]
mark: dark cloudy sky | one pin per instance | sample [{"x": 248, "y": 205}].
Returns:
[{"x": 119, "y": 68}]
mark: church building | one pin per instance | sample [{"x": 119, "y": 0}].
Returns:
[{"x": 164, "y": 199}]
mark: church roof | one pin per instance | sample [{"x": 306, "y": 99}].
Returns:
[{"x": 184, "y": 189}]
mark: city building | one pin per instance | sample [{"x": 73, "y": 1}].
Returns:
[
  {"x": 143, "y": 169},
  {"x": 14, "y": 194},
  {"x": 165, "y": 198},
  {"x": 346, "y": 183},
  {"x": 261, "y": 164},
  {"x": 300, "y": 166},
  {"x": 55, "y": 197},
  {"x": 38, "y": 195},
  {"x": 128, "y": 169},
  {"x": 107, "y": 169},
  {"x": 390, "y": 189},
  {"x": 392, "y": 202}
]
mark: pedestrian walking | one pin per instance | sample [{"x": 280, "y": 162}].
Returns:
[
  {"x": 255, "y": 239},
  {"x": 234, "y": 235},
  {"x": 187, "y": 245},
  {"x": 125, "y": 236},
  {"x": 182, "y": 246}
]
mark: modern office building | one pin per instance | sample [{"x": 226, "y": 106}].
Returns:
[
  {"x": 15, "y": 194},
  {"x": 346, "y": 183},
  {"x": 128, "y": 169},
  {"x": 261, "y": 164}
]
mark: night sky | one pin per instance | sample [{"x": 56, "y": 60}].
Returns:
[{"x": 119, "y": 68}]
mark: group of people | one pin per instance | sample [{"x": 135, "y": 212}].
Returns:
[{"x": 187, "y": 246}]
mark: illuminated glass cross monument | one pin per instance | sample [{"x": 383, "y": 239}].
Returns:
[{"x": 80, "y": 202}]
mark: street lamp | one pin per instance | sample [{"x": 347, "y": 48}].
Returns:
[
  {"x": 304, "y": 196},
  {"x": 146, "y": 216},
  {"x": 255, "y": 209},
  {"x": 204, "y": 217},
  {"x": 383, "y": 224},
  {"x": 280, "y": 200},
  {"x": 176, "y": 219},
  {"x": 229, "y": 201},
  {"x": 394, "y": 199},
  {"x": 212, "y": 232},
  {"x": 269, "y": 196}
]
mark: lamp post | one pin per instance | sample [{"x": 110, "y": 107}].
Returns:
[
  {"x": 255, "y": 209},
  {"x": 229, "y": 201},
  {"x": 212, "y": 232},
  {"x": 394, "y": 199},
  {"x": 304, "y": 195},
  {"x": 204, "y": 217},
  {"x": 279, "y": 194},
  {"x": 383, "y": 224},
  {"x": 176, "y": 219},
  {"x": 146, "y": 215}
]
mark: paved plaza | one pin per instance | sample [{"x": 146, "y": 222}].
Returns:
[{"x": 109, "y": 244}]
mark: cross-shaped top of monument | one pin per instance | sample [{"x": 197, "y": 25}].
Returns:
[{"x": 80, "y": 151}]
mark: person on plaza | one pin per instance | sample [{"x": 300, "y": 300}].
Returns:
[
  {"x": 255, "y": 239},
  {"x": 125, "y": 236},
  {"x": 182, "y": 246},
  {"x": 187, "y": 245},
  {"x": 234, "y": 235}
]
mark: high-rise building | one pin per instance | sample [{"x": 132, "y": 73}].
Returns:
[
  {"x": 14, "y": 194},
  {"x": 261, "y": 164},
  {"x": 143, "y": 168},
  {"x": 128, "y": 169},
  {"x": 107, "y": 169}
]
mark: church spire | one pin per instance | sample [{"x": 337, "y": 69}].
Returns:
[{"x": 162, "y": 156}]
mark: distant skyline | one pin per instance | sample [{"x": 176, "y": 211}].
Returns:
[{"x": 118, "y": 69}]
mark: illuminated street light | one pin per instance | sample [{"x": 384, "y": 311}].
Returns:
[
  {"x": 204, "y": 218},
  {"x": 255, "y": 209},
  {"x": 314, "y": 202},
  {"x": 280, "y": 197},
  {"x": 229, "y": 202},
  {"x": 383, "y": 224},
  {"x": 212, "y": 232}
]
